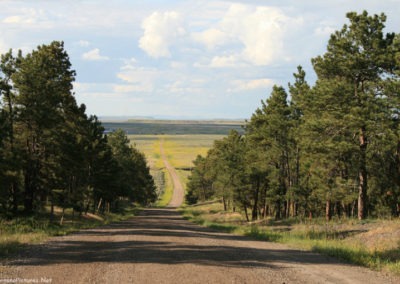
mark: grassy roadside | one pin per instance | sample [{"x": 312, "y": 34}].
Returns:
[
  {"x": 22, "y": 231},
  {"x": 168, "y": 190},
  {"x": 371, "y": 244}
]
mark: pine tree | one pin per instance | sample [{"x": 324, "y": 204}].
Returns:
[
  {"x": 43, "y": 82},
  {"x": 11, "y": 158},
  {"x": 361, "y": 56},
  {"x": 270, "y": 127},
  {"x": 199, "y": 186}
]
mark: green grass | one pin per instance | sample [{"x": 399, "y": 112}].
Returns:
[
  {"x": 313, "y": 237},
  {"x": 166, "y": 194},
  {"x": 21, "y": 231}
]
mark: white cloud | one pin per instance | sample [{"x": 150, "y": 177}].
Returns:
[
  {"x": 261, "y": 30},
  {"x": 3, "y": 47},
  {"x": 224, "y": 61},
  {"x": 186, "y": 88},
  {"x": 133, "y": 88},
  {"x": 129, "y": 64},
  {"x": 246, "y": 85},
  {"x": 211, "y": 38},
  {"x": 82, "y": 87},
  {"x": 13, "y": 20},
  {"x": 83, "y": 43},
  {"x": 98, "y": 95},
  {"x": 161, "y": 30},
  {"x": 249, "y": 34},
  {"x": 31, "y": 18},
  {"x": 177, "y": 65},
  {"x": 138, "y": 79},
  {"x": 324, "y": 31},
  {"x": 94, "y": 55},
  {"x": 26, "y": 16}
]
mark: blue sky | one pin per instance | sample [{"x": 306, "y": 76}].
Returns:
[{"x": 182, "y": 59}]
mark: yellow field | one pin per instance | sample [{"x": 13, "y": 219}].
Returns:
[{"x": 180, "y": 150}]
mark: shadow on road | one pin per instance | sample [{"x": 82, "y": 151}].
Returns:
[{"x": 161, "y": 236}]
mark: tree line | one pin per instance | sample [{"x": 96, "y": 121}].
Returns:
[
  {"x": 331, "y": 149},
  {"x": 51, "y": 152}
]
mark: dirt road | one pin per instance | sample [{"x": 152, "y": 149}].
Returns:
[
  {"x": 158, "y": 246},
  {"x": 179, "y": 193}
]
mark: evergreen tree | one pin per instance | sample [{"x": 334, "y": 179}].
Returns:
[
  {"x": 360, "y": 56},
  {"x": 199, "y": 186},
  {"x": 270, "y": 127},
  {"x": 43, "y": 82},
  {"x": 136, "y": 182},
  {"x": 10, "y": 154},
  {"x": 300, "y": 96}
]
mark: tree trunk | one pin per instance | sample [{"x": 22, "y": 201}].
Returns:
[
  {"x": 14, "y": 186},
  {"x": 14, "y": 192},
  {"x": 99, "y": 204},
  {"x": 62, "y": 216},
  {"x": 362, "y": 176},
  {"x": 328, "y": 210},
  {"x": 353, "y": 208},
  {"x": 52, "y": 210},
  {"x": 255, "y": 206},
  {"x": 278, "y": 210},
  {"x": 28, "y": 194},
  {"x": 294, "y": 209},
  {"x": 204, "y": 197},
  {"x": 245, "y": 212},
  {"x": 224, "y": 201}
]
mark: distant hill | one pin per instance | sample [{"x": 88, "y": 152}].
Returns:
[
  {"x": 178, "y": 121},
  {"x": 152, "y": 126}
]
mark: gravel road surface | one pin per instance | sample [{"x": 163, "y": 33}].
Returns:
[{"x": 159, "y": 246}]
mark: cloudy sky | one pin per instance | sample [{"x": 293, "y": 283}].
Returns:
[{"x": 182, "y": 59}]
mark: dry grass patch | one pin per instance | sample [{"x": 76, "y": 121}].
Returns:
[
  {"x": 372, "y": 243},
  {"x": 18, "y": 232}
]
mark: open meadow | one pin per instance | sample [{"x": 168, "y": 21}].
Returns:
[{"x": 180, "y": 150}]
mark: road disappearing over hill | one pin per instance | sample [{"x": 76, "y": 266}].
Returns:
[{"x": 178, "y": 193}]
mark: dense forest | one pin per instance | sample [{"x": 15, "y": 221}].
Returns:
[
  {"x": 331, "y": 149},
  {"x": 51, "y": 152}
]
